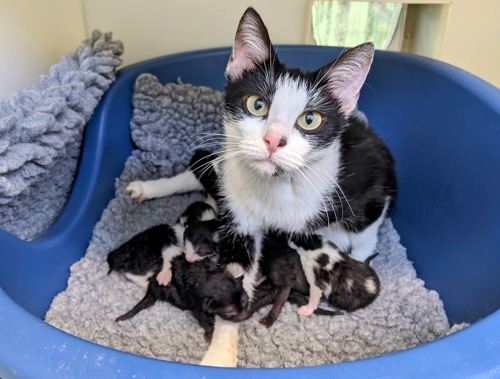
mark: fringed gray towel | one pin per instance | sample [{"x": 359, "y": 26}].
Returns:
[
  {"x": 167, "y": 124},
  {"x": 41, "y": 131}
]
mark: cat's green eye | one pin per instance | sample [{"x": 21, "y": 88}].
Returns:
[
  {"x": 257, "y": 106},
  {"x": 310, "y": 120}
]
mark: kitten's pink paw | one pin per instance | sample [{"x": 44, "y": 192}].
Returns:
[
  {"x": 164, "y": 277},
  {"x": 305, "y": 311},
  {"x": 136, "y": 191}
]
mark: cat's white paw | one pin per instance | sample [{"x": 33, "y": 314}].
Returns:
[
  {"x": 164, "y": 277},
  {"x": 136, "y": 191},
  {"x": 305, "y": 311}
]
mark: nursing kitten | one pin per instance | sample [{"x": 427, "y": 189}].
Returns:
[
  {"x": 284, "y": 281},
  {"x": 296, "y": 157},
  {"x": 347, "y": 284},
  {"x": 151, "y": 251},
  {"x": 202, "y": 287},
  {"x": 201, "y": 239}
]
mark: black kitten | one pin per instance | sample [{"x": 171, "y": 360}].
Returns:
[
  {"x": 203, "y": 287},
  {"x": 200, "y": 239}
]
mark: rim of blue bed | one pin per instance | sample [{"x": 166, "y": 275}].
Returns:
[{"x": 30, "y": 347}]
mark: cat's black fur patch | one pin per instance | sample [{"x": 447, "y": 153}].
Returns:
[
  {"x": 202, "y": 167},
  {"x": 233, "y": 246}
]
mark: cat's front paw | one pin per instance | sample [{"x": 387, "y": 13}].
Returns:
[
  {"x": 305, "y": 311},
  {"x": 267, "y": 321},
  {"x": 164, "y": 277},
  {"x": 136, "y": 191}
]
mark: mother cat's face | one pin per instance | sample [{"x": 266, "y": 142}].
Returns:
[{"x": 278, "y": 121}]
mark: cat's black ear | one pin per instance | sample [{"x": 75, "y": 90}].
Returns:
[
  {"x": 347, "y": 74},
  {"x": 252, "y": 45}
]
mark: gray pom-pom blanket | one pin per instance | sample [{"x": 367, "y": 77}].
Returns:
[
  {"x": 167, "y": 124},
  {"x": 41, "y": 131}
]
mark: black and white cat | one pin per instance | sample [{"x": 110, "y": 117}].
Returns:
[{"x": 296, "y": 156}]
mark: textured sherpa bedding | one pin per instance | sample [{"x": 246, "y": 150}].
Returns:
[{"x": 168, "y": 122}]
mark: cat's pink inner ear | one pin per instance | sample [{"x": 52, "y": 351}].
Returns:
[
  {"x": 239, "y": 62},
  {"x": 347, "y": 75},
  {"x": 251, "y": 45}
]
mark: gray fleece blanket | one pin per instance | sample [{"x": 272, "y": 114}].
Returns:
[
  {"x": 168, "y": 122},
  {"x": 41, "y": 131}
]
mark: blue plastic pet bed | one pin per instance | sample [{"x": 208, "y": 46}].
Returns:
[{"x": 443, "y": 128}]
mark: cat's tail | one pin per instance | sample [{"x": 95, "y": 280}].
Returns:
[
  {"x": 370, "y": 258},
  {"x": 326, "y": 312}
]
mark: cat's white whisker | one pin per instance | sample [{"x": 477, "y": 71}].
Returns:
[
  {"x": 337, "y": 189},
  {"x": 309, "y": 180}
]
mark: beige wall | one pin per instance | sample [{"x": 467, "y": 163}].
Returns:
[
  {"x": 153, "y": 28},
  {"x": 35, "y": 33},
  {"x": 472, "y": 39}
]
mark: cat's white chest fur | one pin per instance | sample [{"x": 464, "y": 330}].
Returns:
[{"x": 260, "y": 203}]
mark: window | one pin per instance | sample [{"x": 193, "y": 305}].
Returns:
[
  {"x": 402, "y": 26},
  {"x": 346, "y": 23}
]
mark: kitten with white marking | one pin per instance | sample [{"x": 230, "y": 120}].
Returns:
[
  {"x": 195, "y": 212},
  {"x": 141, "y": 256},
  {"x": 285, "y": 280},
  {"x": 201, "y": 239},
  {"x": 152, "y": 250},
  {"x": 347, "y": 283}
]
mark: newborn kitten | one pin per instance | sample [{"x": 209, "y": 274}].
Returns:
[
  {"x": 347, "y": 283},
  {"x": 140, "y": 257},
  {"x": 284, "y": 280},
  {"x": 200, "y": 239},
  {"x": 202, "y": 287},
  {"x": 152, "y": 250},
  {"x": 196, "y": 212}
]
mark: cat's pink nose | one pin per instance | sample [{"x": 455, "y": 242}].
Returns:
[{"x": 274, "y": 141}]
